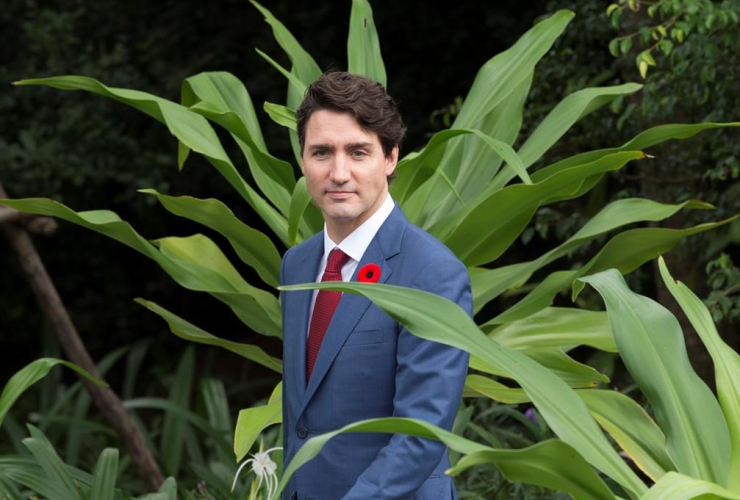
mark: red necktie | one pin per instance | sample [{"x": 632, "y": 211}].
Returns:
[{"x": 323, "y": 309}]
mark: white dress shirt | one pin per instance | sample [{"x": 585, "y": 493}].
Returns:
[{"x": 354, "y": 245}]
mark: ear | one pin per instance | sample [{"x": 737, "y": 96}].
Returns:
[{"x": 391, "y": 161}]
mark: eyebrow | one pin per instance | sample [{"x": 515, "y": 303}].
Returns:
[{"x": 348, "y": 147}]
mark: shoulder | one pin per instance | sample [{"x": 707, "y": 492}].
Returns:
[
  {"x": 427, "y": 249},
  {"x": 295, "y": 254}
]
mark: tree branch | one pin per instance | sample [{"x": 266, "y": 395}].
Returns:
[{"x": 105, "y": 399}]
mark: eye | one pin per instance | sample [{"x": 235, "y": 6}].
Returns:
[
  {"x": 359, "y": 153},
  {"x": 320, "y": 153}
]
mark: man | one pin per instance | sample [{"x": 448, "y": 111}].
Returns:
[{"x": 345, "y": 360}]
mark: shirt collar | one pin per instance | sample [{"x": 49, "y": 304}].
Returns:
[{"x": 358, "y": 240}]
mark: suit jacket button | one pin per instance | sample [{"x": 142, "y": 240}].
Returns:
[{"x": 302, "y": 433}]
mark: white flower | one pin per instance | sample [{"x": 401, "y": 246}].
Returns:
[{"x": 264, "y": 467}]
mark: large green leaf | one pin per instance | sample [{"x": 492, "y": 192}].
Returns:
[
  {"x": 258, "y": 309},
  {"x": 282, "y": 115},
  {"x": 552, "y": 464},
  {"x": 503, "y": 77},
  {"x": 557, "y": 327},
  {"x": 624, "y": 420},
  {"x": 29, "y": 375},
  {"x": 626, "y": 251},
  {"x": 652, "y": 347},
  {"x": 252, "y": 421},
  {"x": 298, "y": 205},
  {"x": 363, "y": 47},
  {"x": 435, "y": 318},
  {"x": 648, "y": 138},
  {"x": 305, "y": 67},
  {"x": 481, "y": 233},
  {"x": 224, "y": 100},
  {"x": 632, "y": 428},
  {"x": 192, "y": 333},
  {"x": 255, "y": 307},
  {"x": 675, "y": 486},
  {"x": 726, "y": 365},
  {"x": 572, "y": 372},
  {"x": 488, "y": 284},
  {"x": 252, "y": 246},
  {"x": 191, "y": 129}
]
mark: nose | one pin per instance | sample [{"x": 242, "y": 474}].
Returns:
[{"x": 340, "y": 169}]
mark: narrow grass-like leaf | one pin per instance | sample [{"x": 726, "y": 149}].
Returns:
[
  {"x": 53, "y": 466},
  {"x": 29, "y": 375},
  {"x": 435, "y": 318},
  {"x": 192, "y": 333},
  {"x": 106, "y": 472},
  {"x": 363, "y": 47},
  {"x": 653, "y": 350},
  {"x": 726, "y": 365},
  {"x": 174, "y": 426},
  {"x": 8, "y": 490}
]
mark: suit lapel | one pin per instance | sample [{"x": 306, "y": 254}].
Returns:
[
  {"x": 384, "y": 245},
  {"x": 306, "y": 271}
]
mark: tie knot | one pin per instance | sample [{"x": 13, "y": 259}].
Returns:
[{"x": 336, "y": 261}]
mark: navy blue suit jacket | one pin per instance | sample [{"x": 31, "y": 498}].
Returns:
[{"x": 371, "y": 366}]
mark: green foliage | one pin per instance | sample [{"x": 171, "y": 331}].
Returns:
[{"x": 463, "y": 187}]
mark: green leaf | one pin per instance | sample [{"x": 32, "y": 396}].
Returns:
[
  {"x": 675, "y": 486},
  {"x": 293, "y": 79},
  {"x": 626, "y": 251},
  {"x": 53, "y": 466},
  {"x": 614, "y": 47},
  {"x": 282, "y": 115},
  {"x": 479, "y": 386},
  {"x": 726, "y": 364},
  {"x": 489, "y": 284},
  {"x": 8, "y": 490},
  {"x": 363, "y": 47},
  {"x": 305, "y": 67},
  {"x": 557, "y": 327},
  {"x": 258, "y": 309},
  {"x": 632, "y": 428},
  {"x": 192, "y": 333},
  {"x": 435, "y": 318},
  {"x": 298, "y": 205},
  {"x": 191, "y": 129},
  {"x": 552, "y": 464},
  {"x": 644, "y": 140},
  {"x": 29, "y": 375},
  {"x": 482, "y": 232},
  {"x": 223, "y": 99},
  {"x": 572, "y": 372},
  {"x": 174, "y": 426},
  {"x": 652, "y": 347},
  {"x": 611, "y": 9},
  {"x": 106, "y": 472},
  {"x": 251, "y": 422},
  {"x": 253, "y": 247},
  {"x": 255, "y": 307},
  {"x": 412, "y": 172}
]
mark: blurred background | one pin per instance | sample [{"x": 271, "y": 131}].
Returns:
[{"x": 91, "y": 153}]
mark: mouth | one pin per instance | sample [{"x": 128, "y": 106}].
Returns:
[{"x": 339, "y": 195}]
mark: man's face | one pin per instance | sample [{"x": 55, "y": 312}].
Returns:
[{"x": 346, "y": 170}]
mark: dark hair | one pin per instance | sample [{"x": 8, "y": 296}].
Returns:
[{"x": 362, "y": 97}]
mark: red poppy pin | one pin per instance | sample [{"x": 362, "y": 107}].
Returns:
[{"x": 369, "y": 273}]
